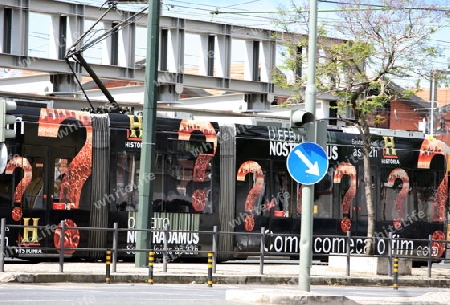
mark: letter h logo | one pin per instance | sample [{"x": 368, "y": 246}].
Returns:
[
  {"x": 136, "y": 126},
  {"x": 33, "y": 231},
  {"x": 389, "y": 150}
]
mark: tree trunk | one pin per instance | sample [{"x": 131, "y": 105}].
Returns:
[{"x": 369, "y": 246}]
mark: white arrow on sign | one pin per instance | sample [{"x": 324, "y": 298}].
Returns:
[{"x": 313, "y": 169}]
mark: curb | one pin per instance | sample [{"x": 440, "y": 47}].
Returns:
[{"x": 219, "y": 279}]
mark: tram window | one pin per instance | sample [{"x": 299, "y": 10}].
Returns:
[
  {"x": 186, "y": 183},
  {"x": 264, "y": 205},
  {"x": 322, "y": 207},
  {"x": 126, "y": 192},
  {"x": 425, "y": 200},
  {"x": 325, "y": 185},
  {"x": 6, "y": 190},
  {"x": 345, "y": 195},
  {"x": 323, "y": 198},
  {"x": 424, "y": 185},
  {"x": 252, "y": 189},
  {"x": 158, "y": 183},
  {"x": 321, "y": 210},
  {"x": 281, "y": 197},
  {"x": 176, "y": 181},
  {"x": 61, "y": 170},
  {"x": 34, "y": 192},
  {"x": 298, "y": 196},
  {"x": 359, "y": 204},
  {"x": 395, "y": 195},
  {"x": 282, "y": 194}
]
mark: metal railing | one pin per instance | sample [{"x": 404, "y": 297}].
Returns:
[{"x": 393, "y": 251}]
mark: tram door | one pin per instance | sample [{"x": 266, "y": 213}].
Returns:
[
  {"x": 31, "y": 177},
  {"x": 359, "y": 209},
  {"x": 41, "y": 204},
  {"x": 281, "y": 205},
  {"x": 346, "y": 192}
]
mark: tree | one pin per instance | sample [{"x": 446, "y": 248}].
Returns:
[{"x": 371, "y": 45}]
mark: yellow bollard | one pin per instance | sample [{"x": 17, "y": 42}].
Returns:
[
  {"x": 151, "y": 260},
  {"x": 210, "y": 260},
  {"x": 395, "y": 269},
  {"x": 108, "y": 266}
]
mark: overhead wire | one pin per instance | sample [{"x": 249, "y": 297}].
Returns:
[
  {"x": 202, "y": 11},
  {"x": 210, "y": 11}
]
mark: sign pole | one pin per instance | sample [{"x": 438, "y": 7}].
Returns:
[
  {"x": 145, "y": 208},
  {"x": 306, "y": 229},
  {"x": 307, "y": 164}
]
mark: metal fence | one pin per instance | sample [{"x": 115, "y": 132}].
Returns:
[{"x": 393, "y": 253}]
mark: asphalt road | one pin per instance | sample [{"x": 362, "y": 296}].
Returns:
[
  {"x": 112, "y": 294},
  {"x": 164, "y": 294}
]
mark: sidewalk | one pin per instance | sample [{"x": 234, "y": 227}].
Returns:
[{"x": 236, "y": 272}]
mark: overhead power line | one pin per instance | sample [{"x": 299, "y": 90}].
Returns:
[{"x": 350, "y": 9}]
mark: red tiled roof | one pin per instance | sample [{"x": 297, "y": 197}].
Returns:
[{"x": 442, "y": 97}]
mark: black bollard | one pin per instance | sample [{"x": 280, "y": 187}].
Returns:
[
  {"x": 395, "y": 269},
  {"x": 210, "y": 260},
  {"x": 151, "y": 260},
  {"x": 108, "y": 266}
]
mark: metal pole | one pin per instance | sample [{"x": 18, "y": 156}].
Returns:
[
  {"x": 214, "y": 247},
  {"x": 430, "y": 249},
  {"x": 145, "y": 211},
  {"x": 306, "y": 230},
  {"x": 115, "y": 246},
  {"x": 166, "y": 246},
  {"x": 2, "y": 245},
  {"x": 263, "y": 246},
  {"x": 61, "y": 246},
  {"x": 349, "y": 236},
  {"x": 390, "y": 254},
  {"x": 433, "y": 100}
]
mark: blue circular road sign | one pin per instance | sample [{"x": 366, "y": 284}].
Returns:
[{"x": 307, "y": 163}]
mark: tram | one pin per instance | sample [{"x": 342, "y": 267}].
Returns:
[{"x": 83, "y": 170}]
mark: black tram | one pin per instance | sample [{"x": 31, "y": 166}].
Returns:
[{"x": 84, "y": 170}]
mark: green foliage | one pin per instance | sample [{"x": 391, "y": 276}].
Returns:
[
  {"x": 376, "y": 45},
  {"x": 408, "y": 93}
]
